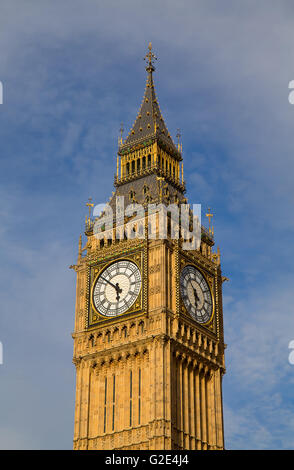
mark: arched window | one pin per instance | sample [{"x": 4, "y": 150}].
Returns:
[
  {"x": 107, "y": 336},
  {"x": 132, "y": 195},
  {"x": 124, "y": 332},
  {"x": 91, "y": 340},
  {"x": 168, "y": 226}
]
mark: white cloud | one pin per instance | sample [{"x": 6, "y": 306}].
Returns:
[{"x": 259, "y": 377}]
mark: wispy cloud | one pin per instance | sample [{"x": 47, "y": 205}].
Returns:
[{"x": 259, "y": 382}]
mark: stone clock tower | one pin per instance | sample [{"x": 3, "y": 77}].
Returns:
[{"x": 148, "y": 338}]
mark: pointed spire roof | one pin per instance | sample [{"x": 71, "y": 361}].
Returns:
[{"x": 149, "y": 123}]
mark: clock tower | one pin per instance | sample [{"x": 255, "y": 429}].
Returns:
[{"x": 148, "y": 336}]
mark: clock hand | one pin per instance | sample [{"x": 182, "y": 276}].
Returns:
[
  {"x": 195, "y": 296},
  {"x": 106, "y": 280},
  {"x": 118, "y": 291},
  {"x": 115, "y": 286}
]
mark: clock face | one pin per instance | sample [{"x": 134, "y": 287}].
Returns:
[
  {"x": 196, "y": 294},
  {"x": 117, "y": 288}
]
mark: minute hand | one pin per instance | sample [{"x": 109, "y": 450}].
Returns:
[{"x": 113, "y": 285}]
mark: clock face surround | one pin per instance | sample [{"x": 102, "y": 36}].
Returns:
[
  {"x": 116, "y": 288},
  {"x": 196, "y": 294}
]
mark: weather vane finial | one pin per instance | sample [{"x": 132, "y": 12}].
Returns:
[{"x": 149, "y": 58}]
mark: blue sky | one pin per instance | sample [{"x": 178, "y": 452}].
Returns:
[{"x": 71, "y": 72}]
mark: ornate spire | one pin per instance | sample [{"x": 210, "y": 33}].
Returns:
[{"x": 149, "y": 122}]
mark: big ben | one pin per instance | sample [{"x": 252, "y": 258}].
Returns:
[{"x": 148, "y": 337}]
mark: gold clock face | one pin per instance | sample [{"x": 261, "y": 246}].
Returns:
[
  {"x": 117, "y": 288},
  {"x": 196, "y": 294}
]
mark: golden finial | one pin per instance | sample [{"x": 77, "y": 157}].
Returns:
[
  {"x": 149, "y": 58},
  {"x": 121, "y": 130},
  {"x": 209, "y": 215},
  {"x": 178, "y": 136},
  {"x": 90, "y": 205}
]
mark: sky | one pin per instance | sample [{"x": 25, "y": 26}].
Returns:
[{"x": 72, "y": 71}]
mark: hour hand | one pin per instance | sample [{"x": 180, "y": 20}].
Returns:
[
  {"x": 195, "y": 296},
  {"x": 118, "y": 291}
]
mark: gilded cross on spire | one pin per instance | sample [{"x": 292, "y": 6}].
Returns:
[
  {"x": 149, "y": 58},
  {"x": 209, "y": 215}
]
